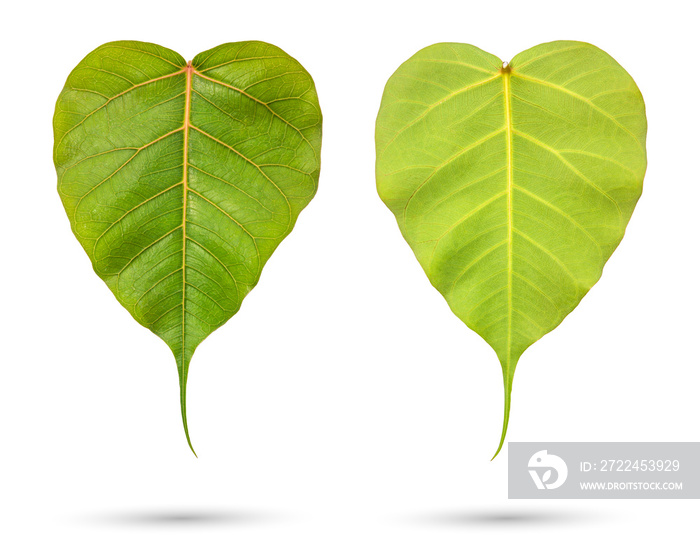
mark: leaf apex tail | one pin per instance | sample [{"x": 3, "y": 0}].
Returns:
[
  {"x": 506, "y": 416},
  {"x": 507, "y": 388},
  {"x": 184, "y": 418},
  {"x": 182, "y": 373}
]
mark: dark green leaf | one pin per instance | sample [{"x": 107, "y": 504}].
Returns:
[{"x": 180, "y": 179}]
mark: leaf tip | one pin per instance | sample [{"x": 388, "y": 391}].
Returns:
[
  {"x": 507, "y": 387},
  {"x": 503, "y": 434},
  {"x": 183, "y": 366},
  {"x": 184, "y": 422}
]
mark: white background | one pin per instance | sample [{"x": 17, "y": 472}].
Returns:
[{"x": 344, "y": 410}]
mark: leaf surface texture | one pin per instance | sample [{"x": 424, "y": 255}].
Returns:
[
  {"x": 512, "y": 183},
  {"x": 181, "y": 179}
]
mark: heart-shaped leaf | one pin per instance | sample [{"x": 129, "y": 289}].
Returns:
[
  {"x": 512, "y": 183},
  {"x": 181, "y": 178}
]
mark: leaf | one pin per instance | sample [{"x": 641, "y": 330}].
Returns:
[
  {"x": 512, "y": 183},
  {"x": 181, "y": 178}
]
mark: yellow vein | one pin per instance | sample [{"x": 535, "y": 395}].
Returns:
[
  {"x": 438, "y": 103},
  {"x": 464, "y": 187},
  {"x": 509, "y": 188},
  {"x": 550, "y": 53},
  {"x": 570, "y": 166},
  {"x": 481, "y": 256},
  {"x": 207, "y": 250},
  {"x": 266, "y": 105},
  {"x": 427, "y": 82},
  {"x": 538, "y": 289},
  {"x": 465, "y": 218},
  {"x": 240, "y": 60},
  {"x": 553, "y": 257},
  {"x": 100, "y": 70},
  {"x": 448, "y": 161},
  {"x": 601, "y": 157},
  {"x": 562, "y": 213},
  {"x": 137, "y": 151},
  {"x": 150, "y": 324},
  {"x": 531, "y": 320},
  {"x": 118, "y": 274},
  {"x": 122, "y": 47},
  {"x": 456, "y": 63},
  {"x": 232, "y": 185},
  {"x": 128, "y": 212},
  {"x": 487, "y": 298},
  {"x": 474, "y": 325},
  {"x": 185, "y": 189},
  {"x": 289, "y": 206},
  {"x": 207, "y": 295},
  {"x": 110, "y": 99},
  {"x": 271, "y": 78},
  {"x": 155, "y": 285},
  {"x": 582, "y": 99},
  {"x": 243, "y": 228}
]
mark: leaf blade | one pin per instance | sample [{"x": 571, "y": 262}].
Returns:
[
  {"x": 179, "y": 192},
  {"x": 513, "y": 184}
]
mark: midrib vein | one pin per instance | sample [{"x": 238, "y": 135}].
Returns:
[
  {"x": 188, "y": 96},
  {"x": 509, "y": 191}
]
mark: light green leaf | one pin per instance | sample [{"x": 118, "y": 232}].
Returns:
[
  {"x": 180, "y": 179},
  {"x": 512, "y": 183}
]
